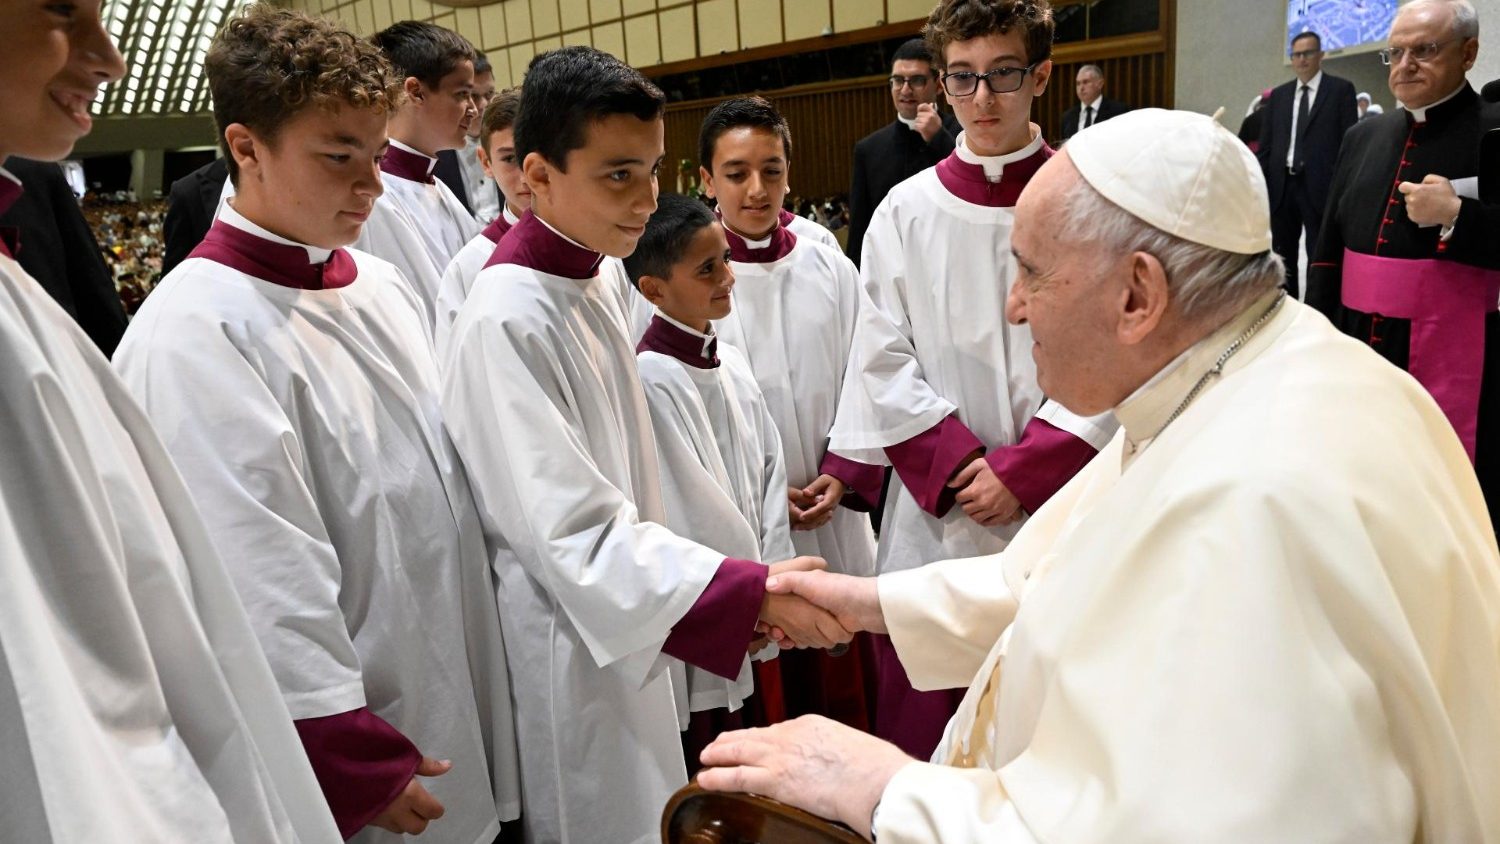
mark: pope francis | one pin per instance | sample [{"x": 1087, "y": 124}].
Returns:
[{"x": 1269, "y": 610}]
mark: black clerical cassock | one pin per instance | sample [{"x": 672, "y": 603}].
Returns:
[{"x": 1426, "y": 304}]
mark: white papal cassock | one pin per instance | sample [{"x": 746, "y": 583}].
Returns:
[
  {"x": 1278, "y": 621},
  {"x": 135, "y": 704},
  {"x": 723, "y": 476},
  {"x": 541, "y": 392},
  {"x": 307, "y": 424}
]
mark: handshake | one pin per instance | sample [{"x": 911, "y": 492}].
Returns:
[{"x": 806, "y": 606}]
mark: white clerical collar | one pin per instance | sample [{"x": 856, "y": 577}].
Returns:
[
  {"x": 994, "y": 165},
  {"x": 6, "y": 174},
  {"x": 554, "y": 230},
  {"x": 1419, "y": 114},
  {"x": 513, "y": 218},
  {"x": 706, "y": 338},
  {"x": 431, "y": 161},
  {"x": 1151, "y": 406},
  {"x": 315, "y": 254},
  {"x": 910, "y": 123}
]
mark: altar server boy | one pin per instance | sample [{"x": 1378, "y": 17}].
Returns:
[
  {"x": 723, "y": 477},
  {"x": 796, "y": 305},
  {"x": 947, "y": 390},
  {"x": 541, "y": 392},
  {"x": 497, "y": 154},
  {"x": 418, "y": 224},
  {"x": 135, "y": 704},
  {"x": 294, "y": 383}
]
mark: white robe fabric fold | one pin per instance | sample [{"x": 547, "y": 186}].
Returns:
[
  {"x": 419, "y": 227},
  {"x": 135, "y": 704},
  {"x": 546, "y": 407},
  {"x": 806, "y": 229},
  {"x": 723, "y": 480},
  {"x": 933, "y": 340},
  {"x": 794, "y": 320},
  {"x": 307, "y": 424},
  {"x": 1279, "y": 623}
]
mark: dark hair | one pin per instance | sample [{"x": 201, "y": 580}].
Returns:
[
  {"x": 423, "y": 50},
  {"x": 500, "y": 114},
  {"x": 674, "y": 224},
  {"x": 965, "y": 20},
  {"x": 482, "y": 63},
  {"x": 267, "y": 64},
  {"x": 913, "y": 50},
  {"x": 567, "y": 89},
  {"x": 1305, "y": 34},
  {"x": 740, "y": 112}
]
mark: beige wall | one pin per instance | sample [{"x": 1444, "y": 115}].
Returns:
[{"x": 643, "y": 32}]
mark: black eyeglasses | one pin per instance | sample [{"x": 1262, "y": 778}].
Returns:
[
  {"x": 1002, "y": 80},
  {"x": 1420, "y": 53},
  {"x": 918, "y": 81},
  {"x": 1306, "y": 54}
]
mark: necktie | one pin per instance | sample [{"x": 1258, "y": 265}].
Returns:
[
  {"x": 1298, "y": 155},
  {"x": 1088, "y": 117}
]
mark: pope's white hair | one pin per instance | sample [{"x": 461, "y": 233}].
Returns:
[
  {"x": 1204, "y": 282},
  {"x": 1465, "y": 16}
]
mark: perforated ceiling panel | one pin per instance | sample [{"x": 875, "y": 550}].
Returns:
[{"x": 163, "y": 42}]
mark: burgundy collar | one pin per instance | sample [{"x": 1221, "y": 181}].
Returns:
[
  {"x": 665, "y": 338},
  {"x": 407, "y": 165},
  {"x": 531, "y": 243},
  {"x": 278, "y": 263},
  {"x": 10, "y": 236},
  {"x": 967, "y": 181},
  {"x": 786, "y": 217},
  {"x": 497, "y": 229},
  {"x": 740, "y": 250}
]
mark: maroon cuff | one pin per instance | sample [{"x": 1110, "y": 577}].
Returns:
[
  {"x": 361, "y": 762},
  {"x": 717, "y": 630},
  {"x": 1038, "y": 466},
  {"x": 862, "y": 480},
  {"x": 925, "y": 463}
]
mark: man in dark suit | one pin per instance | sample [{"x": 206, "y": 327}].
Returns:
[
  {"x": 918, "y": 138},
  {"x": 1299, "y": 145},
  {"x": 58, "y": 249},
  {"x": 1093, "y": 107},
  {"x": 191, "y": 205}
]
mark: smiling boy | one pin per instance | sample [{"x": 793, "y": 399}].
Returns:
[
  {"x": 948, "y": 392},
  {"x": 546, "y": 407},
  {"x": 294, "y": 384}
]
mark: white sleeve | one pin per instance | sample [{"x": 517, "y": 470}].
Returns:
[
  {"x": 945, "y": 617},
  {"x": 241, "y": 457},
  {"x": 622, "y": 583},
  {"x": 925, "y": 803},
  {"x": 890, "y": 400}
]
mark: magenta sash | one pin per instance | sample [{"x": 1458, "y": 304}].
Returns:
[{"x": 1446, "y": 302}]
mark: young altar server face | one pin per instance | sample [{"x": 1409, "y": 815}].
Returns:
[
  {"x": 315, "y": 179},
  {"x": 444, "y": 112},
  {"x": 499, "y": 162},
  {"x": 696, "y": 291},
  {"x": 995, "y": 124},
  {"x": 748, "y": 177},
  {"x": 608, "y": 190},
  {"x": 57, "y": 56}
]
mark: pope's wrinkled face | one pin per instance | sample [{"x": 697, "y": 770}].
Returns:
[
  {"x": 1419, "y": 82},
  {"x": 995, "y": 123},
  {"x": 1067, "y": 296},
  {"x": 56, "y": 57}
]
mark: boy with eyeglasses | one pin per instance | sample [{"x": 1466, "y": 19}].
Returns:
[
  {"x": 946, "y": 391},
  {"x": 1408, "y": 261}
]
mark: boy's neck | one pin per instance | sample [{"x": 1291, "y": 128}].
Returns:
[
  {"x": 704, "y": 327},
  {"x": 1012, "y": 144},
  {"x": 405, "y": 128},
  {"x": 753, "y": 238},
  {"x": 543, "y": 217},
  {"x": 262, "y": 215}
]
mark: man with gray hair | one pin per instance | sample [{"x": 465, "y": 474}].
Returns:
[
  {"x": 1092, "y": 106},
  {"x": 1409, "y": 258},
  {"x": 1255, "y": 616}
]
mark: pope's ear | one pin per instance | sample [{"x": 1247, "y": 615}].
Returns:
[{"x": 1144, "y": 298}]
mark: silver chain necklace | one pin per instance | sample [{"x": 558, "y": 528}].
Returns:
[{"x": 1218, "y": 368}]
